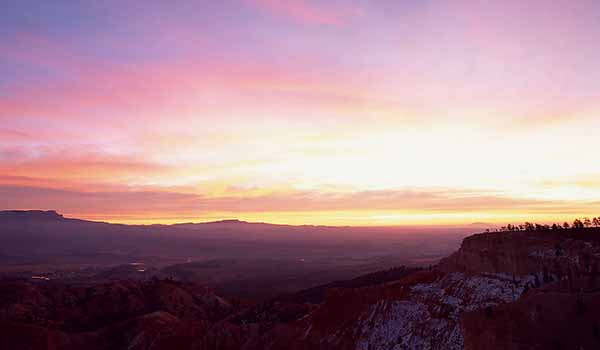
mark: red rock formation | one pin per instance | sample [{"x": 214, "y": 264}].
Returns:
[{"x": 547, "y": 318}]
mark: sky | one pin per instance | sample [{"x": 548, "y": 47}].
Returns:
[{"x": 381, "y": 112}]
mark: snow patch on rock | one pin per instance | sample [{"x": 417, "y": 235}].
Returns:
[{"x": 429, "y": 319}]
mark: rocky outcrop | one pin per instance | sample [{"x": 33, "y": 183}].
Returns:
[
  {"x": 450, "y": 306},
  {"x": 551, "y": 317},
  {"x": 421, "y": 311},
  {"x": 522, "y": 253}
]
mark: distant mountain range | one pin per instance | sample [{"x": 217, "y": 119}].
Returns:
[{"x": 254, "y": 260}]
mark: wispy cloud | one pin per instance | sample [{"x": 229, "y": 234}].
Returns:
[
  {"x": 13, "y": 135},
  {"x": 307, "y": 11},
  {"x": 66, "y": 163},
  {"x": 585, "y": 181},
  {"x": 147, "y": 203}
]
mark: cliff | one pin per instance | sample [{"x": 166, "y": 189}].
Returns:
[
  {"x": 522, "y": 253},
  {"x": 506, "y": 290}
]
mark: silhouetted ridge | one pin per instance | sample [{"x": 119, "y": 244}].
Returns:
[
  {"x": 37, "y": 215},
  {"x": 228, "y": 221}
]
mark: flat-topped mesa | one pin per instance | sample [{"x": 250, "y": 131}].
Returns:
[
  {"x": 226, "y": 221},
  {"x": 30, "y": 215},
  {"x": 522, "y": 253}
]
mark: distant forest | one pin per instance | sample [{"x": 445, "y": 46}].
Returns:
[{"x": 577, "y": 224}]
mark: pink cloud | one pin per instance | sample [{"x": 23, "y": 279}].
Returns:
[
  {"x": 71, "y": 163},
  {"x": 13, "y": 135},
  {"x": 304, "y": 11},
  {"x": 152, "y": 90}
]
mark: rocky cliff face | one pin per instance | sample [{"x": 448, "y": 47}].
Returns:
[
  {"x": 421, "y": 312},
  {"x": 558, "y": 309},
  {"x": 454, "y": 305},
  {"x": 550, "y": 317},
  {"x": 522, "y": 253},
  {"x": 519, "y": 290}
]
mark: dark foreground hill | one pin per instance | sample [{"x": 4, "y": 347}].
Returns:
[{"x": 518, "y": 290}]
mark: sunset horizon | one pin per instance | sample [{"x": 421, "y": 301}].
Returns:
[
  {"x": 299, "y": 174},
  {"x": 322, "y": 220}
]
